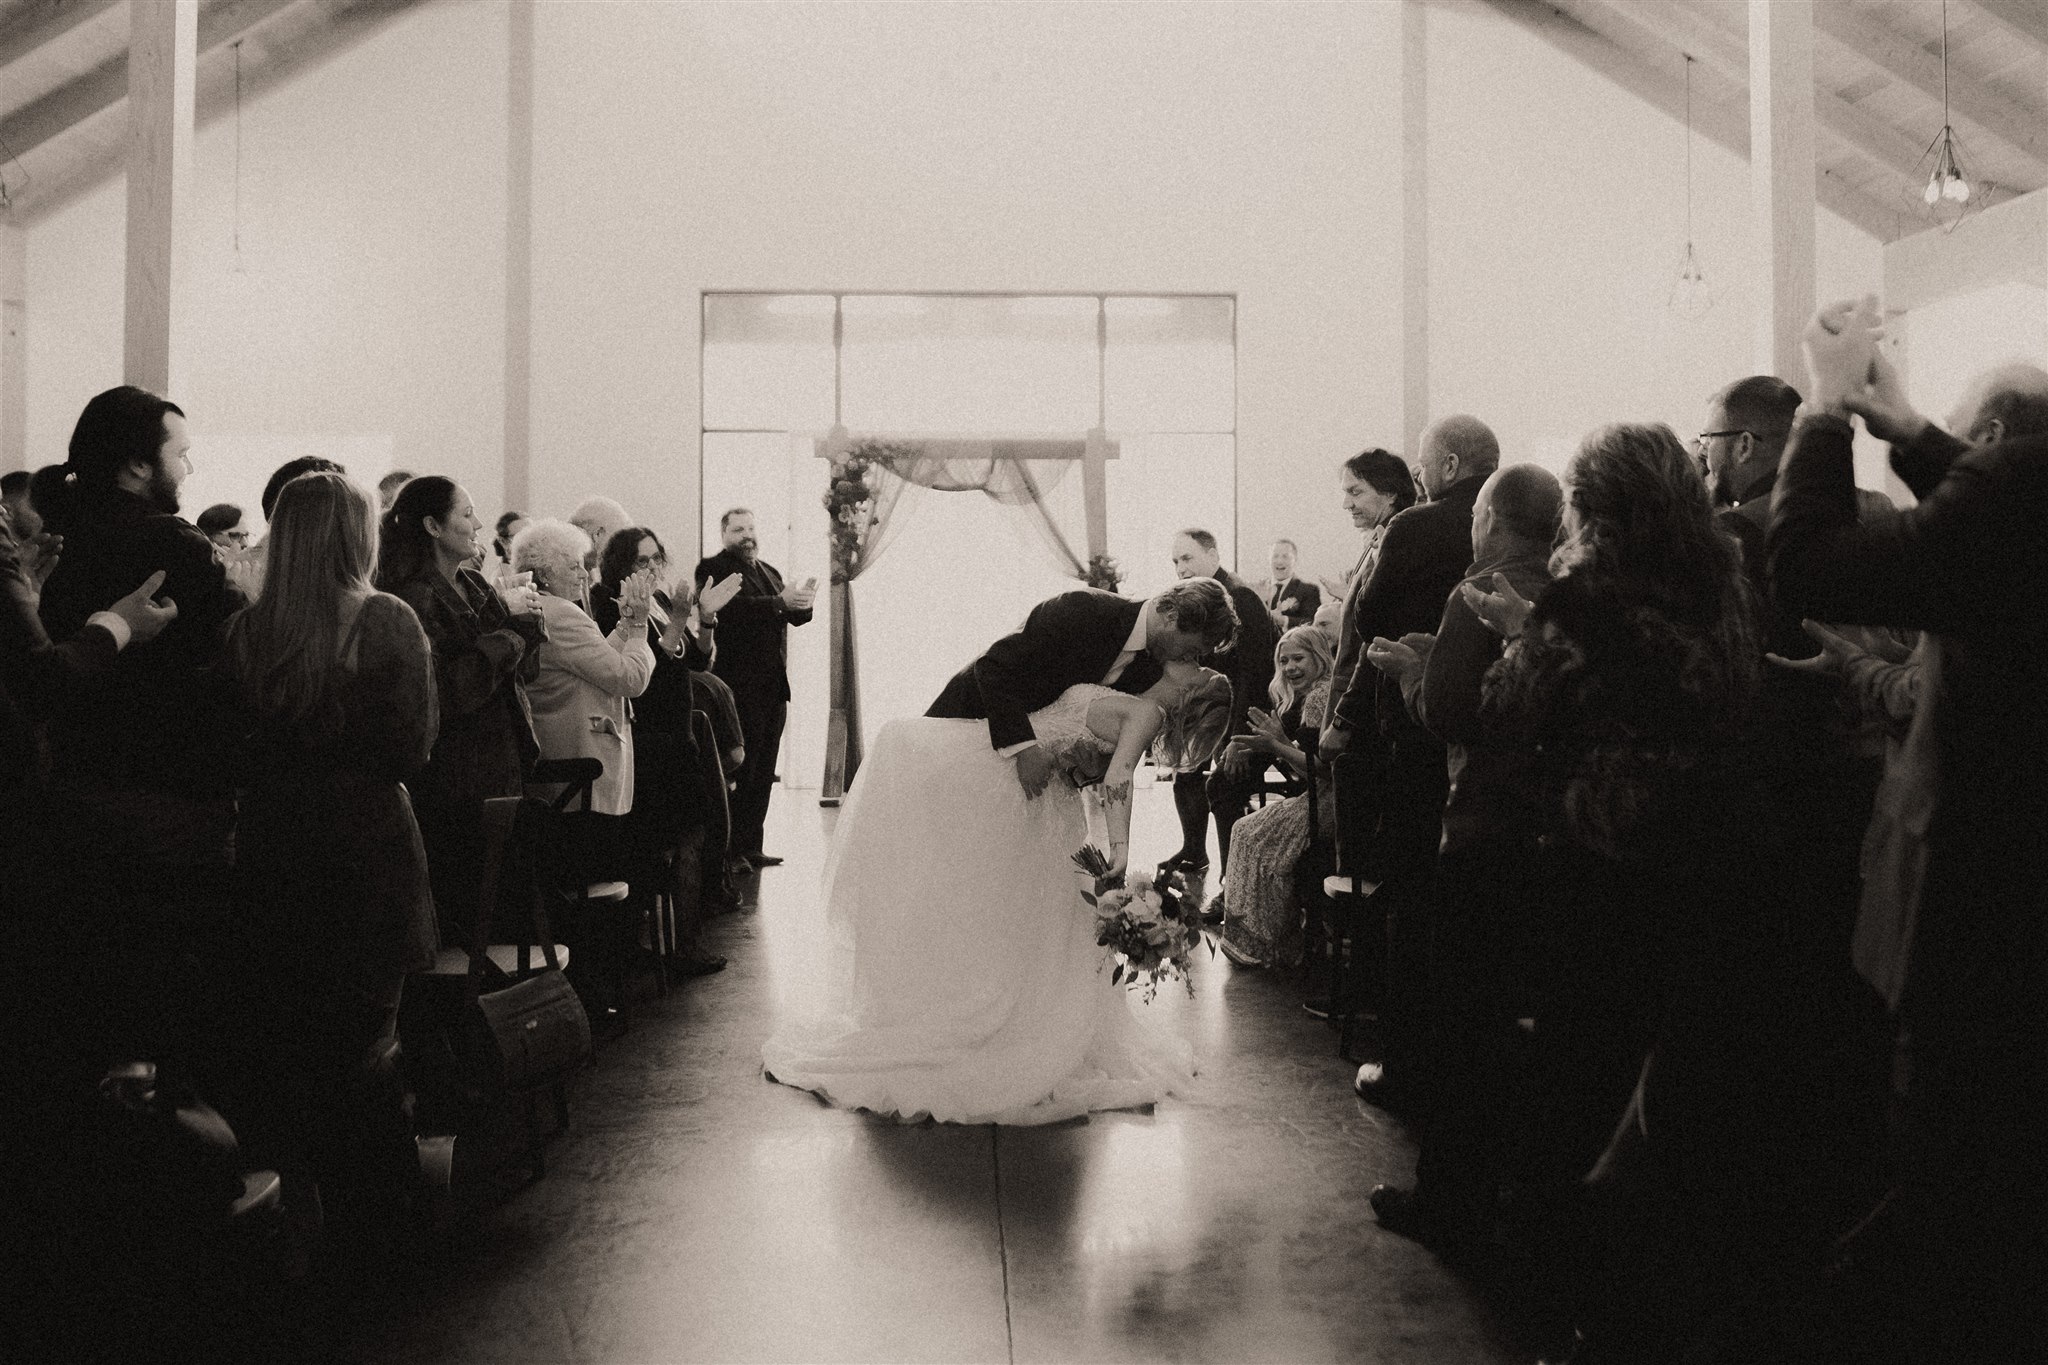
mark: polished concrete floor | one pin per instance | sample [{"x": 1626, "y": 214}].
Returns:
[{"x": 696, "y": 1212}]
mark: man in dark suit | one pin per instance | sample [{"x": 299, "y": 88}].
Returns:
[
  {"x": 1957, "y": 1273},
  {"x": 1248, "y": 663},
  {"x": 1424, "y": 555},
  {"x": 753, "y": 658},
  {"x": 1292, "y": 601},
  {"x": 1084, "y": 636}
]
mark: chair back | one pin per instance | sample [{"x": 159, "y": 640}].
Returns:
[
  {"x": 516, "y": 834},
  {"x": 1355, "y": 810},
  {"x": 576, "y": 776}
]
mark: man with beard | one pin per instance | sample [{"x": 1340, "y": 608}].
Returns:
[
  {"x": 753, "y": 658},
  {"x": 140, "y": 780}
]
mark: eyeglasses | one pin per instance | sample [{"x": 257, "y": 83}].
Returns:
[
  {"x": 1699, "y": 442},
  {"x": 649, "y": 561},
  {"x": 239, "y": 537}
]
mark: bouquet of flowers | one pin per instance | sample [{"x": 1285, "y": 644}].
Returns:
[{"x": 1146, "y": 924}]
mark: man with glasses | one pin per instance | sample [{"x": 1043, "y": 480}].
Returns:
[{"x": 222, "y": 524}]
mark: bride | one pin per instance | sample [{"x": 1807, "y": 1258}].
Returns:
[{"x": 963, "y": 979}]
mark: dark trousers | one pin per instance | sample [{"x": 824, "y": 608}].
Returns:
[
  {"x": 1201, "y": 793},
  {"x": 762, "y": 716}
]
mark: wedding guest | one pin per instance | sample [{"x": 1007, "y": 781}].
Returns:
[
  {"x": 670, "y": 790},
  {"x": 1376, "y": 488},
  {"x": 388, "y": 487},
  {"x": 1961, "y": 1279},
  {"x": 1424, "y": 554},
  {"x": 581, "y": 692},
  {"x": 1265, "y": 916},
  {"x": 1292, "y": 600},
  {"x": 139, "y": 762},
  {"x": 16, "y": 505},
  {"x": 510, "y": 524},
  {"x": 222, "y": 524},
  {"x": 1487, "y": 859},
  {"x": 753, "y": 659},
  {"x": 1248, "y": 663},
  {"x": 335, "y": 689},
  {"x": 599, "y": 518},
  {"x": 289, "y": 470},
  {"x": 486, "y": 646}
]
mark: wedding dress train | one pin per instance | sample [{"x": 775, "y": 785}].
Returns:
[{"x": 963, "y": 980}]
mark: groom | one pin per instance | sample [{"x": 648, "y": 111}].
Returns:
[{"x": 1084, "y": 636}]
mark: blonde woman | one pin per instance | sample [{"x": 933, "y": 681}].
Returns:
[{"x": 1258, "y": 888}]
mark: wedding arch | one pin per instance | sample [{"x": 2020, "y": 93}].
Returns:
[{"x": 870, "y": 474}]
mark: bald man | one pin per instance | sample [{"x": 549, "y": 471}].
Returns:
[{"x": 1484, "y": 875}]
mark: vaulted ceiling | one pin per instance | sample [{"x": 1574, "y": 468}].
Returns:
[
  {"x": 1877, "y": 74},
  {"x": 1878, "y": 81},
  {"x": 64, "y": 78}
]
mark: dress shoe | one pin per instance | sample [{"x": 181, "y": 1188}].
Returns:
[
  {"x": 764, "y": 860},
  {"x": 697, "y": 964},
  {"x": 1378, "y": 1089},
  {"x": 1401, "y": 1212}
]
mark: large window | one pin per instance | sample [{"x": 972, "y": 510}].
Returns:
[{"x": 1156, "y": 372}]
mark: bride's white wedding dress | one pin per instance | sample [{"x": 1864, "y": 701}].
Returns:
[{"x": 963, "y": 980}]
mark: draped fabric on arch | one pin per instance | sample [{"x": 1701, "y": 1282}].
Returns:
[{"x": 1040, "y": 489}]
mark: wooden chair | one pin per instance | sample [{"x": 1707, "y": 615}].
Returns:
[
  {"x": 594, "y": 905},
  {"x": 685, "y": 849},
  {"x": 514, "y": 831},
  {"x": 1348, "y": 891}
]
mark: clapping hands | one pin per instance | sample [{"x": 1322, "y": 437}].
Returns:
[
  {"x": 715, "y": 595},
  {"x": 1836, "y": 652},
  {"x": 799, "y": 596},
  {"x": 1398, "y": 658},
  {"x": 1503, "y": 610},
  {"x": 519, "y": 595}
]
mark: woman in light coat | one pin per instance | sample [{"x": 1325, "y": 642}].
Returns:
[{"x": 582, "y": 694}]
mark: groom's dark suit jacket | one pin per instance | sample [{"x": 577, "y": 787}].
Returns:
[{"x": 1069, "y": 639}]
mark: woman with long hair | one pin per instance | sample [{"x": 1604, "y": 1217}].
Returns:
[
  {"x": 676, "y": 788},
  {"x": 485, "y": 647},
  {"x": 1674, "y": 922},
  {"x": 333, "y": 684},
  {"x": 1258, "y": 890}
]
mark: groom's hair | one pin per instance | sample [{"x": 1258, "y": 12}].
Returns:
[{"x": 1202, "y": 606}]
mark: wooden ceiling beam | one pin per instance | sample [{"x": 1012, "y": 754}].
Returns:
[
  {"x": 44, "y": 21},
  {"x": 1662, "y": 85},
  {"x": 106, "y": 85},
  {"x": 2024, "y": 131},
  {"x": 2026, "y": 20},
  {"x": 1671, "y": 30}
]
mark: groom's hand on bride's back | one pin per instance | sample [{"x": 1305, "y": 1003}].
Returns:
[{"x": 1034, "y": 771}]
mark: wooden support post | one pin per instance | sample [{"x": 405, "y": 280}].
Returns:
[
  {"x": 519, "y": 259},
  {"x": 163, "y": 59},
  {"x": 13, "y": 347},
  {"x": 1781, "y": 170},
  {"x": 1414, "y": 225},
  {"x": 1095, "y": 491}
]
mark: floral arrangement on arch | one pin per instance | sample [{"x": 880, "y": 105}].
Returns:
[
  {"x": 1102, "y": 573},
  {"x": 1147, "y": 925},
  {"x": 850, "y": 501}
]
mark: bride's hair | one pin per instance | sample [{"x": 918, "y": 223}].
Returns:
[{"x": 1196, "y": 725}]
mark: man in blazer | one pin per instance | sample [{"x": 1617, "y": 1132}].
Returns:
[
  {"x": 1424, "y": 555},
  {"x": 1084, "y": 636},
  {"x": 753, "y": 659},
  {"x": 1291, "y": 601},
  {"x": 1248, "y": 664}
]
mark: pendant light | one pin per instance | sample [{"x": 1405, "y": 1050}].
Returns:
[{"x": 1691, "y": 296}]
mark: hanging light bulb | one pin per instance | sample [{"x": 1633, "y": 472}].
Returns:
[
  {"x": 1948, "y": 194},
  {"x": 1691, "y": 296}
]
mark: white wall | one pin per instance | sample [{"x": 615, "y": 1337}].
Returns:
[{"x": 367, "y": 320}]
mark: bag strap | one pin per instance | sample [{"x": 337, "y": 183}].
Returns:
[{"x": 500, "y": 819}]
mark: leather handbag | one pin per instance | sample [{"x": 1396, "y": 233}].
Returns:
[
  {"x": 530, "y": 1030},
  {"x": 533, "y": 1032}
]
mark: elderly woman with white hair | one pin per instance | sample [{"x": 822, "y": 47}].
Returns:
[{"x": 581, "y": 697}]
